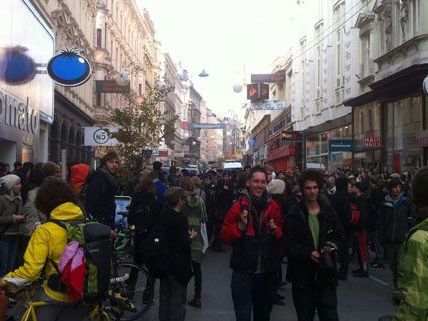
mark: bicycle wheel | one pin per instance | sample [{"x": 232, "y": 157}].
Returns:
[{"x": 126, "y": 291}]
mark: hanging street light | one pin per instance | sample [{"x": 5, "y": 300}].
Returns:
[{"x": 203, "y": 74}]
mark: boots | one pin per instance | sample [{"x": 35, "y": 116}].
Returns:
[{"x": 196, "y": 302}]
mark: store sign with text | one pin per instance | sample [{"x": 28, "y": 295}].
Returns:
[
  {"x": 369, "y": 143},
  {"x": 340, "y": 145}
]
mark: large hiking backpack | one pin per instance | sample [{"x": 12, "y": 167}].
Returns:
[
  {"x": 155, "y": 250},
  {"x": 93, "y": 240}
]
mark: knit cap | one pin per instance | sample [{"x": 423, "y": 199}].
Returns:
[
  {"x": 276, "y": 187},
  {"x": 8, "y": 181}
]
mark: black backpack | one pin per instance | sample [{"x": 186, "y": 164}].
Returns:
[
  {"x": 95, "y": 240},
  {"x": 155, "y": 250}
]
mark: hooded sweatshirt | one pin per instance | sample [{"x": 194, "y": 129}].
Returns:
[{"x": 47, "y": 242}]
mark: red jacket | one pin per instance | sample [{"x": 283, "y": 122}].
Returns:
[
  {"x": 230, "y": 231},
  {"x": 256, "y": 249}
]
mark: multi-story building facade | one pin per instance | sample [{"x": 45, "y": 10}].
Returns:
[
  {"x": 213, "y": 138},
  {"x": 390, "y": 124},
  {"x": 125, "y": 44}
]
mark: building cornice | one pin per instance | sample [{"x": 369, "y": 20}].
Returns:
[{"x": 400, "y": 50}]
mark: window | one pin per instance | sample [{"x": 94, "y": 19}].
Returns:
[
  {"x": 140, "y": 89},
  {"x": 339, "y": 15},
  {"x": 366, "y": 67},
  {"x": 99, "y": 36}
]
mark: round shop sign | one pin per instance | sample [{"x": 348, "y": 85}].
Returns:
[
  {"x": 16, "y": 66},
  {"x": 425, "y": 85},
  {"x": 69, "y": 69}
]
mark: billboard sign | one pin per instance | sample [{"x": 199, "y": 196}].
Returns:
[
  {"x": 258, "y": 91},
  {"x": 97, "y": 136},
  {"x": 292, "y": 136},
  {"x": 111, "y": 87},
  {"x": 275, "y": 78},
  {"x": 205, "y": 126},
  {"x": 340, "y": 145},
  {"x": 268, "y": 105}
]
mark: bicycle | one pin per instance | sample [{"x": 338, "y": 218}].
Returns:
[{"x": 121, "y": 303}]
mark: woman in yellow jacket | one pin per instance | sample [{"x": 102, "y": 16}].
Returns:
[{"x": 56, "y": 199}]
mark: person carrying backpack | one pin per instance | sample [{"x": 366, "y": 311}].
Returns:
[
  {"x": 58, "y": 201},
  {"x": 144, "y": 213}
]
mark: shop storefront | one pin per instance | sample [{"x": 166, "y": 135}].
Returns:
[
  {"x": 26, "y": 93},
  {"x": 368, "y": 142},
  {"x": 405, "y": 134}
]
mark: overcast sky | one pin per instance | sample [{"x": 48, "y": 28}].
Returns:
[{"x": 224, "y": 37}]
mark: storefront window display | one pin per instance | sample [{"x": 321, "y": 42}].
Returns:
[
  {"x": 368, "y": 140},
  {"x": 403, "y": 149}
]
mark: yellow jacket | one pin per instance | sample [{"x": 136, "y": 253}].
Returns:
[{"x": 48, "y": 241}]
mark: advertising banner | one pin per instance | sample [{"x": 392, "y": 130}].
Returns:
[
  {"x": 268, "y": 105},
  {"x": 111, "y": 87},
  {"x": 292, "y": 136},
  {"x": 205, "y": 126},
  {"x": 276, "y": 78},
  {"x": 258, "y": 91}
]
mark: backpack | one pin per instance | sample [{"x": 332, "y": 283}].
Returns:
[
  {"x": 91, "y": 280},
  {"x": 354, "y": 215},
  {"x": 155, "y": 250}
]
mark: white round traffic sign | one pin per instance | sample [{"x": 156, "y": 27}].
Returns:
[
  {"x": 425, "y": 85},
  {"x": 101, "y": 136}
]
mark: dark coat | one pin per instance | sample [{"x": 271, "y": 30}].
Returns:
[
  {"x": 394, "y": 219},
  {"x": 299, "y": 242},
  {"x": 99, "y": 199},
  {"x": 177, "y": 230},
  {"x": 341, "y": 203}
]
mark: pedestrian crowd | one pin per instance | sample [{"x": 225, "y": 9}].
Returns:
[{"x": 313, "y": 221}]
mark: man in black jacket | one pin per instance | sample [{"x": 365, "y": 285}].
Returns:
[
  {"x": 101, "y": 190},
  {"x": 313, "y": 233}
]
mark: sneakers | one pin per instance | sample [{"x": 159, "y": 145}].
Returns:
[{"x": 196, "y": 302}]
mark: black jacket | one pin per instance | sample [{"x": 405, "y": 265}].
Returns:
[
  {"x": 362, "y": 204},
  {"x": 341, "y": 202},
  {"x": 177, "y": 230},
  {"x": 144, "y": 211},
  {"x": 301, "y": 269},
  {"x": 99, "y": 198}
]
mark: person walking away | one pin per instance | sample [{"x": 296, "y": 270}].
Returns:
[
  {"x": 57, "y": 201},
  {"x": 359, "y": 215},
  {"x": 341, "y": 203},
  {"x": 32, "y": 217},
  {"x": 101, "y": 190},
  {"x": 160, "y": 186},
  {"x": 144, "y": 213},
  {"x": 195, "y": 211},
  {"x": 394, "y": 215},
  {"x": 276, "y": 188},
  {"x": 210, "y": 191},
  {"x": 10, "y": 220},
  {"x": 253, "y": 227},
  {"x": 413, "y": 273},
  {"x": 173, "y": 284},
  {"x": 313, "y": 233},
  {"x": 224, "y": 198}
]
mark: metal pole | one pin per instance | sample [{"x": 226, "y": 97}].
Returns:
[{"x": 64, "y": 164}]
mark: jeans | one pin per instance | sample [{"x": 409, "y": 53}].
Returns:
[
  {"x": 344, "y": 255},
  {"x": 252, "y": 292},
  {"x": 393, "y": 258},
  {"x": 380, "y": 252},
  {"x": 8, "y": 252},
  {"x": 172, "y": 299},
  {"x": 307, "y": 299},
  {"x": 197, "y": 273}
]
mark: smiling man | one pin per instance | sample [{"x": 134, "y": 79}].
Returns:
[
  {"x": 253, "y": 227},
  {"x": 313, "y": 234}
]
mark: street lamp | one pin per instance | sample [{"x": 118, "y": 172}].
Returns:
[{"x": 203, "y": 74}]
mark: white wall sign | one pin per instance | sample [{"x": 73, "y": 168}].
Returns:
[{"x": 96, "y": 136}]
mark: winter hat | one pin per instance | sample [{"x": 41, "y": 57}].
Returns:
[
  {"x": 173, "y": 195},
  {"x": 420, "y": 187},
  {"x": 8, "y": 181},
  {"x": 276, "y": 187},
  {"x": 296, "y": 189}
]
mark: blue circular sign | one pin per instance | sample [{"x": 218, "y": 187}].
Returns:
[
  {"x": 69, "y": 69},
  {"x": 16, "y": 67}
]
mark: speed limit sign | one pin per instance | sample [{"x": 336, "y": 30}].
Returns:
[{"x": 425, "y": 85}]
